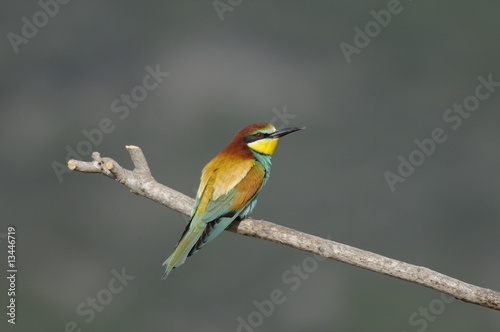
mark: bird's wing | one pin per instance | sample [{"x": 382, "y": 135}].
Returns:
[{"x": 221, "y": 210}]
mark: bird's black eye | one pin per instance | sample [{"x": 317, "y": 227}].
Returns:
[{"x": 259, "y": 135}]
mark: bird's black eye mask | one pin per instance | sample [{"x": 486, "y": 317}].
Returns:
[{"x": 255, "y": 137}]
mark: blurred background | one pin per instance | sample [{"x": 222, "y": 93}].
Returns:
[{"x": 179, "y": 79}]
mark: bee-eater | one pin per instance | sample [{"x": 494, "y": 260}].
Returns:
[{"x": 230, "y": 184}]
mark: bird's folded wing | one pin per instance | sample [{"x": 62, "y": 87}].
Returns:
[{"x": 220, "y": 212}]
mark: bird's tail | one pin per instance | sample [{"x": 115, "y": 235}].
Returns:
[{"x": 182, "y": 250}]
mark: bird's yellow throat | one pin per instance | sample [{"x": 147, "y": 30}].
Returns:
[{"x": 264, "y": 146}]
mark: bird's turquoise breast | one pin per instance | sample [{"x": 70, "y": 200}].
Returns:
[{"x": 265, "y": 160}]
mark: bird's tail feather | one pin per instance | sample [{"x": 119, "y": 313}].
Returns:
[{"x": 182, "y": 250}]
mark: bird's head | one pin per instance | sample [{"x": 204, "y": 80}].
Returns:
[{"x": 263, "y": 137}]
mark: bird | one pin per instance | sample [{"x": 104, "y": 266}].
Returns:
[{"x": 229, "y": 187}]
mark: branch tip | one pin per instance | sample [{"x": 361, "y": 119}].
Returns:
[
  {"x": 96, "y": 156},
  {"x": 72, "y": 164}
]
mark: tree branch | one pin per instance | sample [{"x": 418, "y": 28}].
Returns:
[{"x": 141, "y": 182}]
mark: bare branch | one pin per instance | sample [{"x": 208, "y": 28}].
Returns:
[{"x": 141, "y": 182}]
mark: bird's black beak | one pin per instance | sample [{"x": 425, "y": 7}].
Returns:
[{"x": 285, "y": 131}]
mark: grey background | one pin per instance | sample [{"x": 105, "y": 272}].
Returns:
[{"x": 326, "y": 180}]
